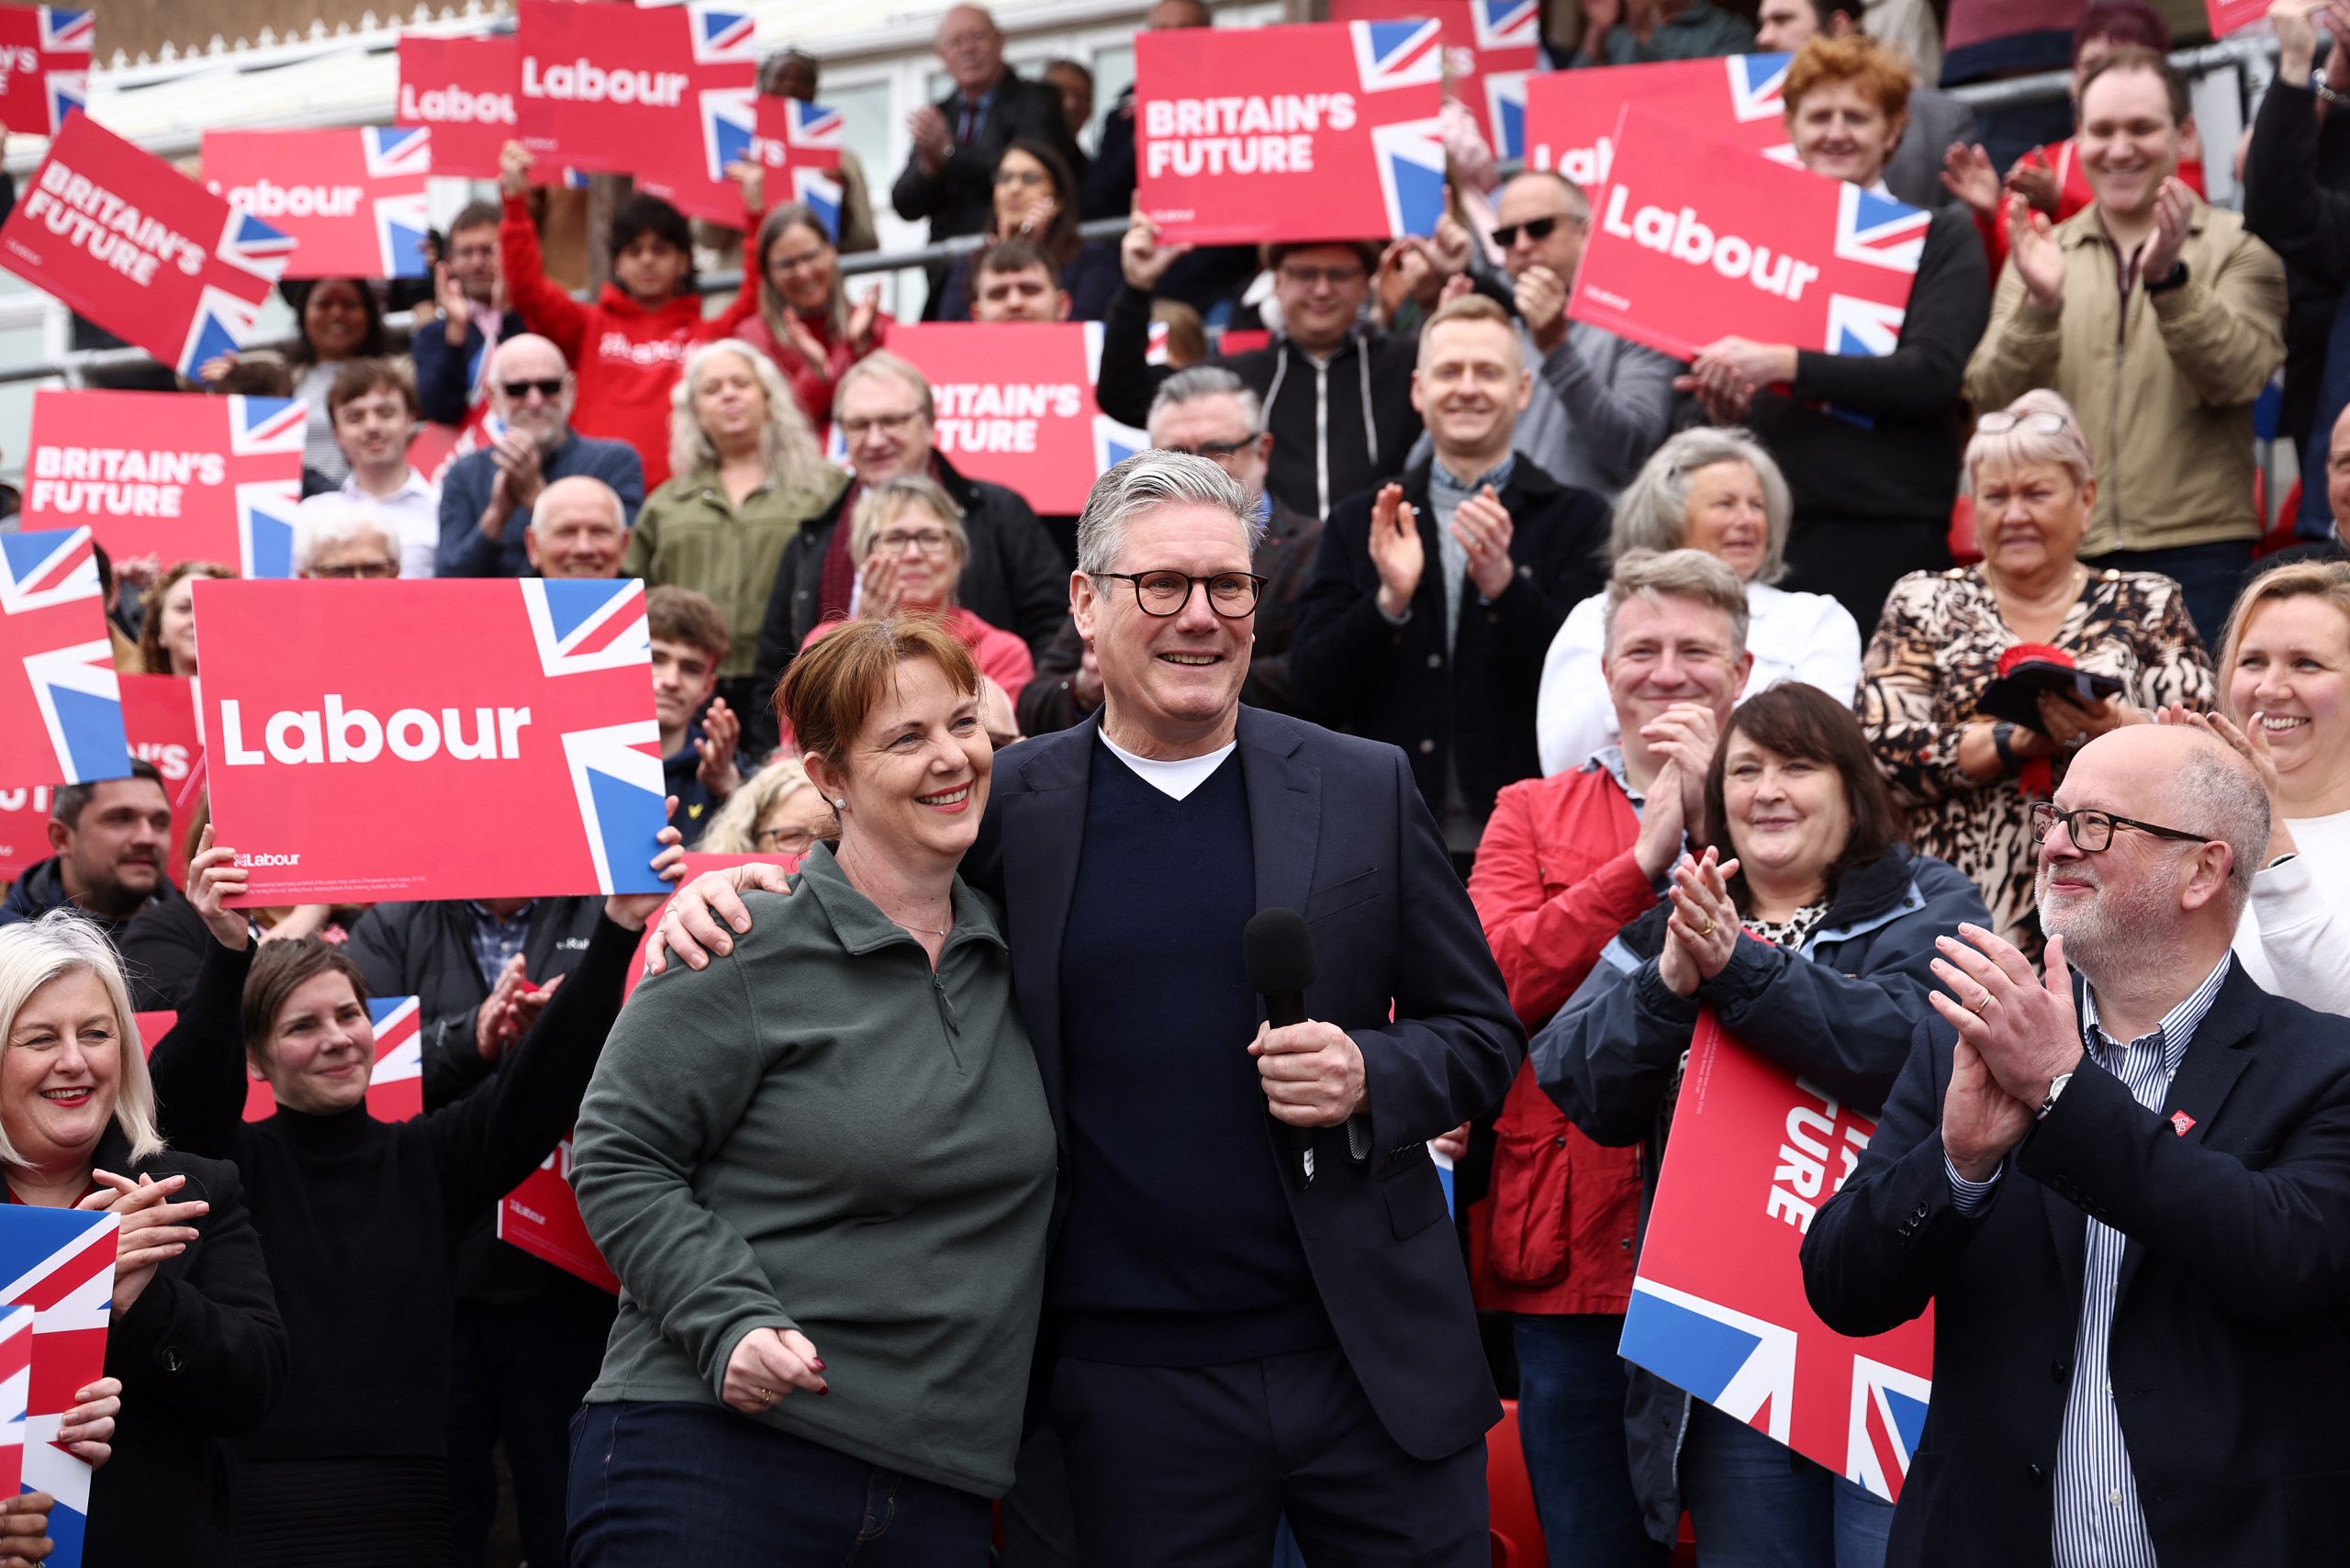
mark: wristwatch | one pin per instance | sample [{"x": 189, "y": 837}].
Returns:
[
  {"x": 2003, "y": 734},
  {"x": 2317, "y": 85},
  {"x": 2174, "y": 278},
  {"x": 2055, "y": 1087}
]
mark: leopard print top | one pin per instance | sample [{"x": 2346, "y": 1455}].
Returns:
[{"x": 1938, "y": 645}]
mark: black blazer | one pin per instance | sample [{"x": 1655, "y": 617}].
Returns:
[
  {"x": 959, "y": 198},
  {"x": 202, "y": 1355},
  {"x": 1473, "y": 701},
  {"x": 2231, "y": 1346},
  {"x": 1341, "y": 837}
]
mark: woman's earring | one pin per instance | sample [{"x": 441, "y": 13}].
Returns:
[{"x": 840, "y": 803}]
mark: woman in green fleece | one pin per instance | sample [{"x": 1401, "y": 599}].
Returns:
[{"x": 824, "y": 1164}]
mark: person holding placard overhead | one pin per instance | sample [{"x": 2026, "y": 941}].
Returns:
[
  {"x": 359, "y": 1218},
  {"x": 1869, "y": 442}
]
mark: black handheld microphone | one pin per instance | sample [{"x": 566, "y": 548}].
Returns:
[{"x": 1279, "y": 951}]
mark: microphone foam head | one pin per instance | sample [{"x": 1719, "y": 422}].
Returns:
[{"x": 1279, "y": 951}]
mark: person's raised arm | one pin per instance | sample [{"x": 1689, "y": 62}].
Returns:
[
  {"x": 545, "y": 307},
  {"x": 198, "y": 1068}
]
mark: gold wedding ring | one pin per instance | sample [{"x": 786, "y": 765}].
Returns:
[
  {"x": 1708, "y": 929},
  {"x": 1979, "y": 1007},
  {"x": 766, "y": 1396}
]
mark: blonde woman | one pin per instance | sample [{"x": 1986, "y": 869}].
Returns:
[
  {"x": 194, "y": 1347},
  {"x": 748, "y": 474},
  {"x": 778, "y": 811}
]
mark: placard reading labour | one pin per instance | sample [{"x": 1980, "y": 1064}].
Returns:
[
  {"x": 353, "y": 199},
  {"x": 509, "y": 751},
  {"x": 1325, "y": 131},
  {"x": 1692, "y": 242}
]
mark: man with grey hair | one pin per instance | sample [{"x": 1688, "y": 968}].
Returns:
[
  {"x": 338, "y": 538},
  {"x": 529, "y": 445},
  {"x": 1208, "y": 412},
  {"x": 1256, "y": 1306},
  {"x": 579, "y": 530},
  {"x": 2124, "y": 1193},
  {"x": 1599, "y": 403}
]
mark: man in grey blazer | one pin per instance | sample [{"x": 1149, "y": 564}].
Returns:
[{"x": 1914, "y": 172}]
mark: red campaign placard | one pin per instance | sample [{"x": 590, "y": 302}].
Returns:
[
  {"x": 1015, "y": 406},
  {"x": 1328, "y": 130},
  {"x": 1570, "y": 116},
  {"x": 353, "y": 199},
  {"x": 1493, "y": 45},
  {"x": 44, "y": 66},
  {"x": 1718, "y": 1307},
  {"x": 663, "y": 92},
  {"x": 541, "y": 1215},
  {"x": 60, "y": 1263},
  {"x": 395, "y": 1086},
  {"x": 24, "y": 829},
  {"x": 2235, "y": 16},
  {"x": 16, "y": 1394},
  {"x": 178, "y": 475},
  {"x": 159, "y": 714},
  {"x": 800, "y": 146},
  {"x": 131, "y": 243},
  {"x": 464, "y": 90},
  {"x": 509, "y": 751},
  {"x": 60, "y": 703},
  {"x": 1690, "y": 243}
]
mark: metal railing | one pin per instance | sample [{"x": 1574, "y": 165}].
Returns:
[{"x": 2253, "y": 58}]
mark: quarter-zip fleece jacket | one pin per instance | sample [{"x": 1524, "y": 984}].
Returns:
[
  {"x": 820, "y": 1133},
  {"x": 2164, "y": 384}
]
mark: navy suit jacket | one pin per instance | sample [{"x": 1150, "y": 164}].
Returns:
[
  {"x": 2230, "y": 1341},
  {"x": 1341, "y": 834}
]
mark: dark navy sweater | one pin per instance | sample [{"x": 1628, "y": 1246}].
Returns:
[{"x": 1177, "y": 1248}]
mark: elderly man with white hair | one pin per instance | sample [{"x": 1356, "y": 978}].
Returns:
[
  {"x": 2123, "y": 1187},
  {"x": 579, "y": 530},
  {"x": 530, "y": 445},
  {"x": 344, "y": 540}
]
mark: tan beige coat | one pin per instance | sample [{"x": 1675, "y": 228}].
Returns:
[{"x": 2164, "y": 390}]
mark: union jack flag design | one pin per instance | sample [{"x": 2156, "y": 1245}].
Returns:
[
  {"x": 272, "y": 429},
  {"x": 729, "y": 128},
  {"x": 811, "y": 128},
  {"x": 61, "y": 705},
  {"x": 820, "y": 194},
  {"x": 245, "y": 264},
  {"x": 1506, "y": 111},
  {"x": 395, "y": 1086},
  {"x": 1410, "y": 174},
  {"x": 1507, "y": 24},
  {"x": 615, "y": 770},
  {"x": 1755, "y": 81},
  {"x": 1398, "y": 54},
  {"x": 402, "y": 220},
  {"x": 722, "y": 38},
  {"x": 16, "y": 1393},
  {"x": 1888, "y": 1420},
  {"x": 67, "y": 38},
  {"x": 1737, "y": 1362},
  {"x": 1878, "y": 232},
  {"x": 800, "y": 145},
  {"x": 60, "y": 1263},
  {"x": 1863, "y": 326}
]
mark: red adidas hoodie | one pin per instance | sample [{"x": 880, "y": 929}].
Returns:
[{"x": 627, "y": 358}]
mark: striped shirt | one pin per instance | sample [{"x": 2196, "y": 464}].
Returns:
[{"x": 2098, "y": 1521}]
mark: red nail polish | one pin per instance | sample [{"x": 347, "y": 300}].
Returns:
[{"x": 818, "y": 1362}]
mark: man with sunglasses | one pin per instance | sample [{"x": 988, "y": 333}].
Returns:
[
  {"x": 2127, "y": 1198},
  {"x": 488, "y": 496},
  {"x": 1600, "y": 404}
]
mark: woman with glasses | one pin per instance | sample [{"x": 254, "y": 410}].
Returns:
[
  {"x": 909, "y": 546},
  {"x": 805, "y": 323},
  {"x": 823, "y": 1168},
  {"x": 1869, "y": 436},
  {"x": 1716, "y": 490},
  {"x": 1035, "y": 199},
  {"x": 1808, "y": 929},
  {"x": 1968, "y": 779},
  {"x": 776, "y": 812},
  {"x": 748, "y": 475}
]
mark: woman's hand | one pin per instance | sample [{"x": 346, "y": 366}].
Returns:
[
  {"x": 803, "y": 341},
  {"x": 766, "y": 1365},
  {"x": 861, "y": 316},
  {"x": 1704, "y": 918},
  {"x": 1036, "y": 217},
  {"x": 877, "y": 593},
  {"x": 1743, "y": 362},
  {"x": 155, "y": 1229},
  {"x": 514, "y": 164},
  {"x": 2032, "y": 179},
  {"x": 138, "y": 571},
  {"x": 1142, "y": 257},
  {"x": 214, "y": 370},
  {"x": 748, "y": 173},
  {"x": 88, "y": 1429},
  {"x": 1967, "y": 175},
  {"x": 631, "y": 911},
  {"x": 214, "y": 878},
  {"x": 720, "y": 731},
  {"x": 2250, "y": 743},
  {"x": 2071, "y": 725}
]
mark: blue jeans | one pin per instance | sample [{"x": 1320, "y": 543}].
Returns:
[
  {"x": 1757, "y": 1504},
  {"x": 657, "y": 1481},
  {"x": 2209, "y": 578},
  {"x": 1571, "y": 1424}
]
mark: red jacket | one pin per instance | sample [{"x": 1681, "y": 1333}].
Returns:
[
  {"x": 812, "y": 385},
  {"x": 1553, "y": 884},
  {"x": 627, "y": 358}
]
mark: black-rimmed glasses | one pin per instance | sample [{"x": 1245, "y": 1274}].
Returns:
[
  {"x": 1215, "y": 451},
  {"x": 2092, "y": 832},
  {"x": 1232, "y": 595},
  {"x": 1535, "y": 228}
]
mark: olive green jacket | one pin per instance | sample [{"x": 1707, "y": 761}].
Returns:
[{"x": 690, "y": 535}]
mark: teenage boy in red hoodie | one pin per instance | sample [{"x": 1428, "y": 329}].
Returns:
[{"x": 630, "y": 346}]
